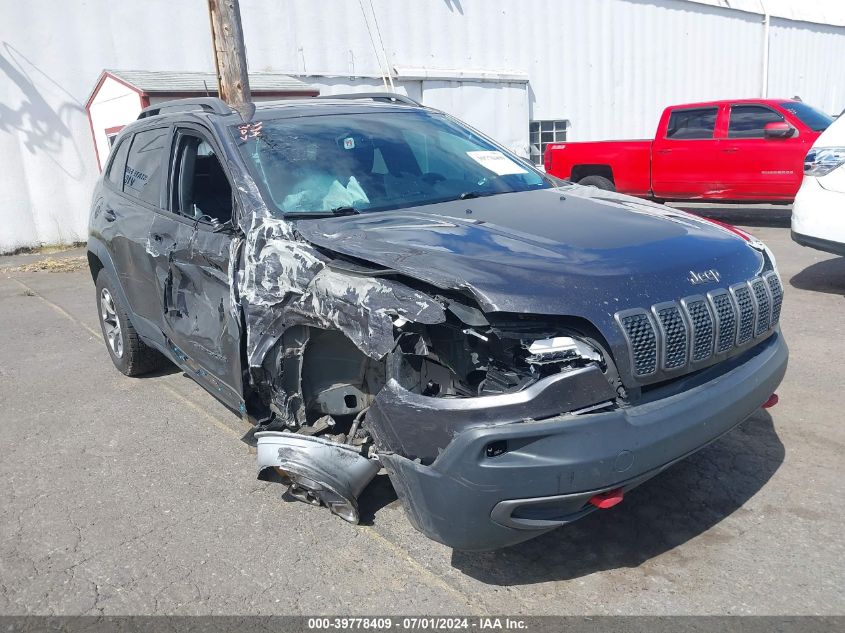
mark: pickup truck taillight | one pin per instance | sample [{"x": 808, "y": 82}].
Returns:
[{"x": 547, "y": 157}]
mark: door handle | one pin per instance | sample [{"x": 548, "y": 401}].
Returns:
[
  {"x": 664, "y": 151},
  {"x": 109, "y": 215},
  {"x": 730, "y": 150}
]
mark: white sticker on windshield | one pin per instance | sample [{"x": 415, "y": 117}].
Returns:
[{"x": 497, "y": 162}]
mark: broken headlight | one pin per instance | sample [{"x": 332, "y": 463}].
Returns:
[{"x": 561, "y": 349}]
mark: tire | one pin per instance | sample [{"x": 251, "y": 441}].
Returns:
[
  {"x": 599, "y": 182},
  {"x": 128, "y": 352}
]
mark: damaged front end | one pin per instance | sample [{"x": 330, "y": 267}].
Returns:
[
  {"x": 471, "y": 349},
  {"x": 352, "y": 363}
]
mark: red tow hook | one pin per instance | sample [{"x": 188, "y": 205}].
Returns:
[
  {"x": 605, "y": 500},
  {"x": 772, "y": 401}
]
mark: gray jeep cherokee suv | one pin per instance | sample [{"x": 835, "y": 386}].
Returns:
[{"x": 375, "y": 285}]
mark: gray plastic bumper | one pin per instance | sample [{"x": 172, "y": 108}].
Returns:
[{"x": 550, "y": 469}]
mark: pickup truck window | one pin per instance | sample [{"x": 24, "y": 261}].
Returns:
[
  {"x": 748, "y": 121},
  {"x": 814, "y": 119},
  {"x": 697, "y": 123}
]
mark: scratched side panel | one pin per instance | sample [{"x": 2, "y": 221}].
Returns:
[
  {"x": 199, "y": 320},
  {"x": 288, "y": 282}
]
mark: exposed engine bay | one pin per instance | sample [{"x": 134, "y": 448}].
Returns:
[{"x": 320, "y": 386}]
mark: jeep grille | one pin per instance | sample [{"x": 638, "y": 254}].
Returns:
[{"x": 686, "y": 334}]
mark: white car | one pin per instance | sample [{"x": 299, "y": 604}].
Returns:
[{"x": 818, "y": 215}]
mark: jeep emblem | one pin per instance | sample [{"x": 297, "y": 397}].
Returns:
[{"x": 703, "y": 277}]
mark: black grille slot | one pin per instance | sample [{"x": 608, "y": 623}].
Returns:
[
  {"x": 764, "y": 306},
  {"x": 746, "y": 314},
  {"x": 643, "y": 343},
  {"x": 702, "y": 328},
  {"x": 675, "y": 333},
  {"x": 777, "y": 297},
  {"x": 724, "y": 308}
]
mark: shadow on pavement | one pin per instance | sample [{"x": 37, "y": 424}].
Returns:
[
  {"x": 769, "y": 215},
  {"x": 377, "y": 495},
  {"x": 825, "y": 276},
  {"x": 681, "y": 503}
]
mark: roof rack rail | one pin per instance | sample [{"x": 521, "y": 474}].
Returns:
[
  {"x": 206, "y": 104},
  {"x": 376, "y": 96}
]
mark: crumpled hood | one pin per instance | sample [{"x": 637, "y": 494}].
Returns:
[{"x": 567, "y": 251}]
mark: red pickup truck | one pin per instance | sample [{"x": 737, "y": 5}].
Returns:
[{"x": 741, "y": 150}]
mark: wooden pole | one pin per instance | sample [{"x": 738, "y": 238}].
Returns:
[{"x": 230, "y": 56}]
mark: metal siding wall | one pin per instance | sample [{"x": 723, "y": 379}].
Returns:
[
  {"x": 617, "y": 64},
  {"x": 806, "y": 60},
  {"x": 51, "y": 54},
  {"x": 609, "y": 66}
]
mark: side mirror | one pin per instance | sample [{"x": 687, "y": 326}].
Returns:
[{"x": 778, "y": 129}]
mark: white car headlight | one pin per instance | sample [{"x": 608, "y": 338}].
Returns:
[{"x": 820, "y": 161}]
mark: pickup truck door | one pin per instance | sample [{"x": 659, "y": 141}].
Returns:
[
  {"x": 759, "y": 166},
  {"x": 685, "y": 157}
]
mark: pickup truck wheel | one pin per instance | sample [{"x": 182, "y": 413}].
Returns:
[
  {"x": 599, "y": 182},
  {"x": 128, "y": 352}
]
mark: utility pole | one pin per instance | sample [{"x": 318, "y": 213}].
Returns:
[{"x": 230, "y": 56}]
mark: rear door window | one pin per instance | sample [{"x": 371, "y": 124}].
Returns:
[
  {"x": 144, "y": 164},
  {"x": 696, "y": 123},
  {"x": 748, "y": 121},
  {"x": 117, "y": 166}
]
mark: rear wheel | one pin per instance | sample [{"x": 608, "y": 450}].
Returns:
[
  {"x": 600, "y": 182},
  {"x": 128, "y": 352}
]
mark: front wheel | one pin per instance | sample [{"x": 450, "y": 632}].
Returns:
[
  {"x": 599, "y": 182},
  {"x": 128, "y": 352}
]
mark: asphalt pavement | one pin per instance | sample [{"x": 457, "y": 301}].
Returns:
[{"x": 136, "y": 495}]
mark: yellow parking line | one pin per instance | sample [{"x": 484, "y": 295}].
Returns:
[
  {"x": 57, "y": 308},
  {"x": 422, "y": 569}
]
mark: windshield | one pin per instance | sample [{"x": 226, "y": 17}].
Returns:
[
  {"x": 814, "y": 119},
  {"x": 376, "y": 161}
]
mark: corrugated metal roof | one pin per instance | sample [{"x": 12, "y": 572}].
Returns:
[{"x": 164, "y": 81}]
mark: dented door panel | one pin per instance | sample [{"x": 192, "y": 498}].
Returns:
[{"x": 198, "y": 317}]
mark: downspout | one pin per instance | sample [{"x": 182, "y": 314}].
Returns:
[{"x": 767, "y": 21}]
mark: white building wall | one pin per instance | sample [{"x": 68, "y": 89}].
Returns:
[
  {"x": 608, "y": 66},
  {"x": 805, "y": 60}
]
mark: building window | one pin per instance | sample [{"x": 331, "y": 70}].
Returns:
[{"x": 541, "y": 133}]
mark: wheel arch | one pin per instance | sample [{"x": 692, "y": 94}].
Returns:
[
  {"x": 581, "y": 171},
  {"x": 99, "y": 260}
]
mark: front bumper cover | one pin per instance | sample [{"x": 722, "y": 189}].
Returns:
[{"x": 551, "y": 468}]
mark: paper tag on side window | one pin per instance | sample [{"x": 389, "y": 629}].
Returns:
[{"x": 497, "y": 162}]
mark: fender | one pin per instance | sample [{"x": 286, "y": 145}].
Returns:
[{"x": 149, "y": 333}]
